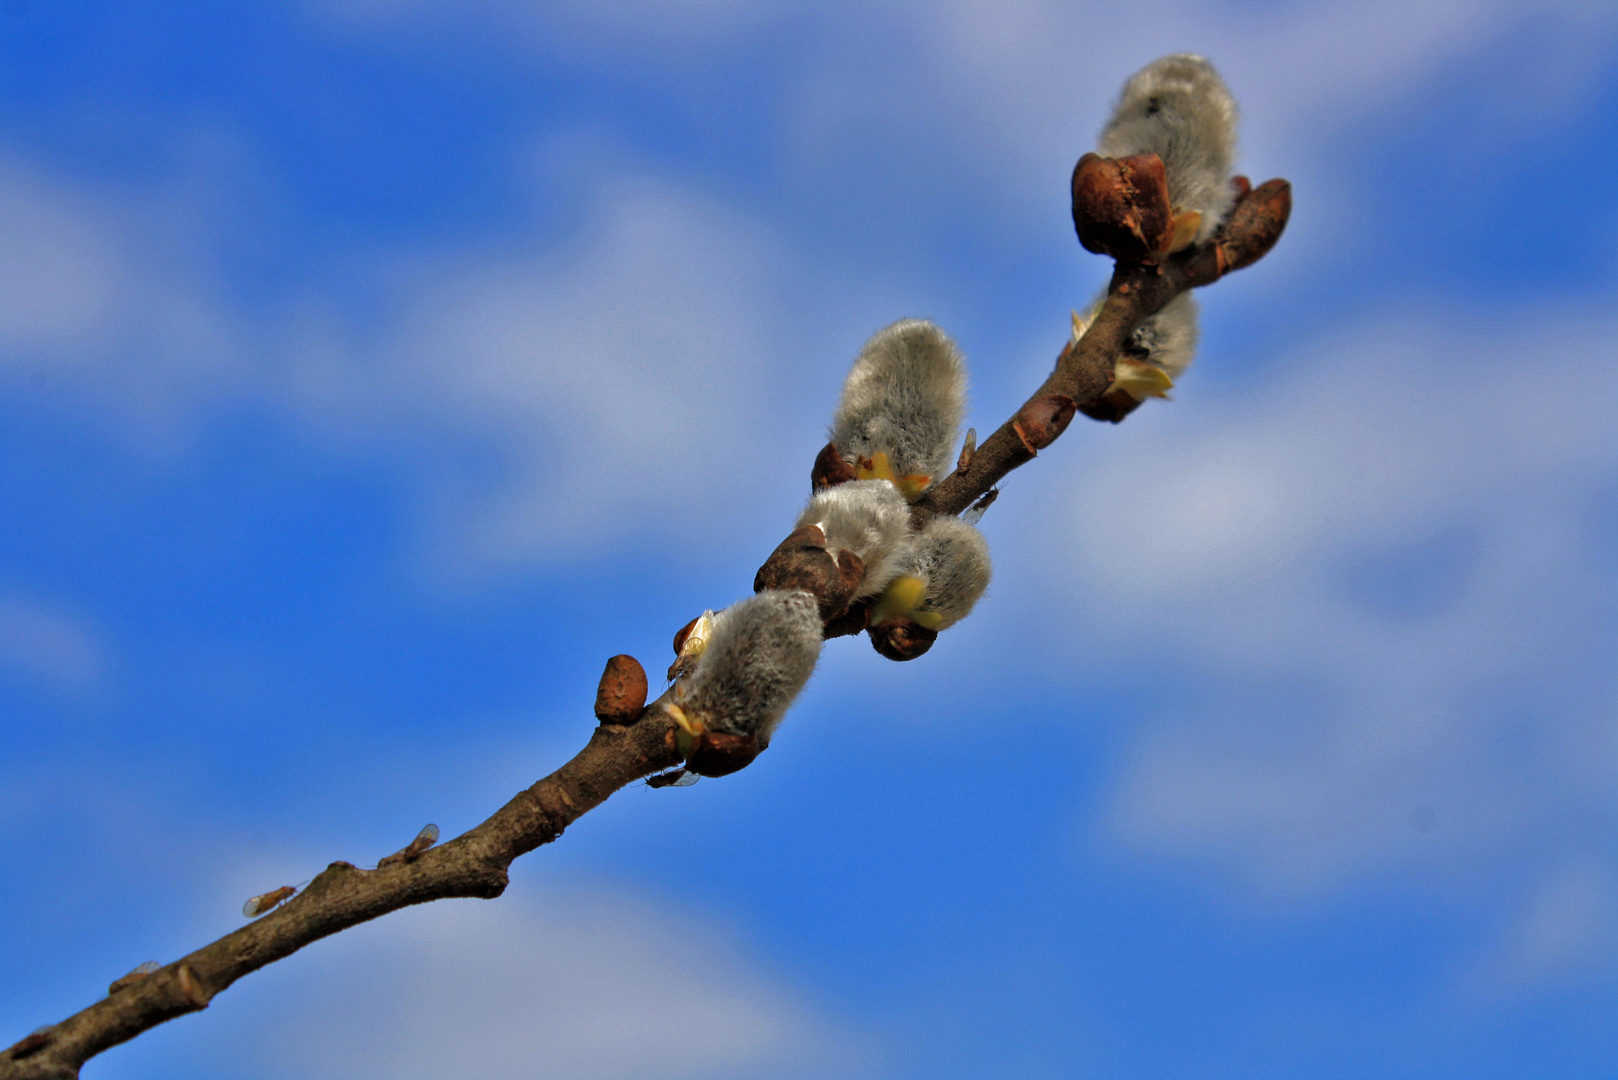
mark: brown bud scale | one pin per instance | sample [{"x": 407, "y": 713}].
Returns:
[
  {"x": 1111, "y": 407},
  {"x": 901, "y": 638},
  {"x": 717, "y": 753},
  {"x": 1254, "y": 225},
  {"x": 1121, "y": 206},
  {"x": 621, "y": 694},
  {"x": 830, "y": 469},
  {"x": 802, "y": 562}
]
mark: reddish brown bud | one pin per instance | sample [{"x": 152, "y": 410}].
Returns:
[
  {"x": 831, "y": 469},
  {"x": 621, "y": 695},
  {"x": 1042, "y": 420},
  {"x": 802, "y": 562},
  {"x": 1111, "y": 407},
  {"x": 1254, "y": 225},
  {"x": 901, "y": 638},
  {"x": 1121, "y": 206},
  {"x": 716, "y": 753},
  {"x": 1242, "y": 185}
]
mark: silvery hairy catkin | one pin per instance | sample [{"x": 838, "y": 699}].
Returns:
[
  {"x": 941, "y": 576},
  {"x": 1178, "y": 108},
  {"x": 1165, "y": 343},
  {"x": 904, "y": 398},
  {"x": 759, "y": 655},
  {"x": 951, "y": 559},
  {"x": 869, "y": 518}
]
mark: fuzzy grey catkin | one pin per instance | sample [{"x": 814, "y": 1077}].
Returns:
[
  {"x": 952, "y": 558},
  {"x": 1178, "y": 108},
  {"x": 1167, "y": 339},
  {"x": 759, "y": 656},
  {"x": 869, "y": 518},
  {"x": 905, "y": 396}
]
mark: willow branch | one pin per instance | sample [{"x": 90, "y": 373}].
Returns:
[
  {"x": 631, "y": 742},
  {"x": 1084, "y": 369},
  {"x": 474, "y": 864}
]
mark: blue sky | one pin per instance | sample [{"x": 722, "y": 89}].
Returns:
[{"x": 371, "y": 370}]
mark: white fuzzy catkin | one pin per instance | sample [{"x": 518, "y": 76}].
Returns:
[
  {"x": 952, "y": 558},
  {"x": 1166, "y": 339},
  {"x": 905, "y": 396},
  {"x": 1178, "y": 108},
  {"x": 869, "y": 518},
  {"x": 760, "y": 654}
]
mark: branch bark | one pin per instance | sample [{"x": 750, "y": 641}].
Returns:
[{"x": 475, "y": 864}]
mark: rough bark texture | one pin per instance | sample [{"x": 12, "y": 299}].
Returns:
[{"x": 475, "y": 863}]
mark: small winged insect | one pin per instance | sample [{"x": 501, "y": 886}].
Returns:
[
  {"x": 672, "y": 778},
  {"x": 134, "y": 976},
  {"x": 409, "y": 853},
  {"x": 975, "y": 512},
  {"x": 969, "y": 450},
  {"x": 689, "y": 643},
  {"x": 258, "y": 905}
]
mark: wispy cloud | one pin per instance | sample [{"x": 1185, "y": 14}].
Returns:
[
  {"x": 570, "y": 984},
  {"x": 1391, "y": 560},
  {"x": 107, "y": 296},
  {"x": 1565, "y": 929},
  {"x": 567, "y": 396},
  {"x": 51, "y": 646}
]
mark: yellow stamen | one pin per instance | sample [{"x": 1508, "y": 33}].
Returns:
[
  {"x": 902, "y": 597},
  {"x": 1140, "y": 381}
]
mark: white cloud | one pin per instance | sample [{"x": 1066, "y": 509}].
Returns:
[
  {"x": 1390, "y": 563},
  {"x": 59, "y": 275},
  {"x": 540, "y": 398},
  {"x": 574, "y": 985},
  {"x": 1566, "y": 929},
  {"x": 52, "y": 646},
  {"x": 617, "y": 25},
  {"x": 618, "y": 384},
  {"x": 107, "y": 296}
]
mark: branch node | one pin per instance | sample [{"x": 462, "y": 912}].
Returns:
[
  {"x": 191, "y": 989},
  {"x": 1042, "y": 420}
]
